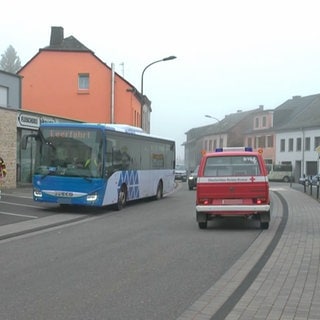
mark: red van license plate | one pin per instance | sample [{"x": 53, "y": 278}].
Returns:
[{"x": 232, "y": 201}]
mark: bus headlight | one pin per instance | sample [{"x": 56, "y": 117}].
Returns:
[
  {"x": 92, "y": 197},
  {"x": 37, "y": 193}
]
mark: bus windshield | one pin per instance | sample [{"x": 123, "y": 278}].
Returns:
[{"x": 69, "y": 152}]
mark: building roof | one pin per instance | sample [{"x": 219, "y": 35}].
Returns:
[
  {"x": 298, "y": 112},
  {"x": 71, "y": 44},
  {"x": 67, "y": 44},
  {"x": 59, "y": 43},
  {"x": 224, "y": 125}
]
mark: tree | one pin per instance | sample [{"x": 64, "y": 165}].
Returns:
[{"x": 10, "y": 62}]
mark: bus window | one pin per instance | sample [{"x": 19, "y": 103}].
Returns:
[{"x": 280, "y": 172}]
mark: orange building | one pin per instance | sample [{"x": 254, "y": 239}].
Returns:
[{"x": 66, "y": 79}]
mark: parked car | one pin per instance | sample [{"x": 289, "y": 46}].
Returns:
[
  {"x": 311, "y": 179},
  {"x": 180, "y": 173},
  {"x": 192, "y": 179}
]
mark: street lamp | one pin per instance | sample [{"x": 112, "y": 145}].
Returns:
[
  {"x": 149, "y": 65},
  {"x": 219, "y": 126}
]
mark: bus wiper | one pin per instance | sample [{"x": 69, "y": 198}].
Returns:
[{"x": 51, "y": 170}]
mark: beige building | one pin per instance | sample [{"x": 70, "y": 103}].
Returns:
[
  {"x": 8, "y": 145},
  {"x": 14, "y": 124}
]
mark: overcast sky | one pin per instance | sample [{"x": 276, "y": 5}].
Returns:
[{"x": 231, "y": 54}]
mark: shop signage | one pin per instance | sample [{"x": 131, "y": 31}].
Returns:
[
  {"x": 47, "y": 120},
  {"x": 28, "y": 121}
]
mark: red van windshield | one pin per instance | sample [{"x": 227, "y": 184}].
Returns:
[{"x": 225, "y": 166}]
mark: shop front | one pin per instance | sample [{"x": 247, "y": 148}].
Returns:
[{"x": 28, "y": 124}]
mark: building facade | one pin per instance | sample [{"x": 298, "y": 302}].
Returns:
[
  {"x": 67, "y": 80},
  {"x": 289, "y": 133},
  {"x": 10, "y": 102},
  {"x": 14, "y": 124},
  {"x": 231, "y": 131},
  {"x": 63, "y": 82}
]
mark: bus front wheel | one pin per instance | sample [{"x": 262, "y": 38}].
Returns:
[{"x": 122, "y": 198}]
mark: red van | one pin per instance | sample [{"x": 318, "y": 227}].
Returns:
[{"x": 232, "y": 182}]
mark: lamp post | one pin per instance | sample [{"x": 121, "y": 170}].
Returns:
[
  {"x": 211, "y": 117},
  {"x": 142, "y": 75}
]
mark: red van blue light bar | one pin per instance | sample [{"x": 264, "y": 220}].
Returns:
[{"x": 248, "y": 149}]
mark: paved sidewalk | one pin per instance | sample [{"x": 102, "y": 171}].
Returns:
[
  {"x": 20, "y": 191},
  {"x": 288, "y": 286}
]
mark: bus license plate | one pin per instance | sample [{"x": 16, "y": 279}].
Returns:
[{"x": 64, "y": 200}]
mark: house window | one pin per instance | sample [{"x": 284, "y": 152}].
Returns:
[
  {"x": 307, "y": 144},
  {"x": 256, "y": 125},
  {"x": 214, "y": 144},
  {"x": 83, "y": 81},
  {"x": 220, "y": 142},
  {"x": 282, "y": 145},
  {"x": 264, "y": 121},
  {"x": 3, "y": 96},
  {"x": 261, "y": 142},
  {"x": 210, "y": 145},
  {"x": 298, "y": 144},
  {"x": 316, "y": 142},
  {"x": 249, "y": 142},
  {"x": 290, "y": 147},
  {"x": 269, "y": 141}
]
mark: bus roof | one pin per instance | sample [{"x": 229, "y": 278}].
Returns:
[{"x": 124, "y": 128}]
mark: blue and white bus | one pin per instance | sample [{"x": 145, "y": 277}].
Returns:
[{"x": 91, "y": 164}]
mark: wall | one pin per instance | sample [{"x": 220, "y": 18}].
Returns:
[
  {"x": 50, "y": 86},
  {"x": 293, "y": 156},
  {"x": 13, "y": 83},
  {"x": 8, "y": 145}
]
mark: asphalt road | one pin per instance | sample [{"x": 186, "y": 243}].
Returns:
[{"x": 148, "y": 261}]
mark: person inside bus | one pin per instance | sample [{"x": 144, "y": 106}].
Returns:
[
  {"x": 125, "y": 158},
  {"x": 94, "y": 164}
]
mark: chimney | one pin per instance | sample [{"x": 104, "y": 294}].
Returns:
[{"x": 56, "y": 36}]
